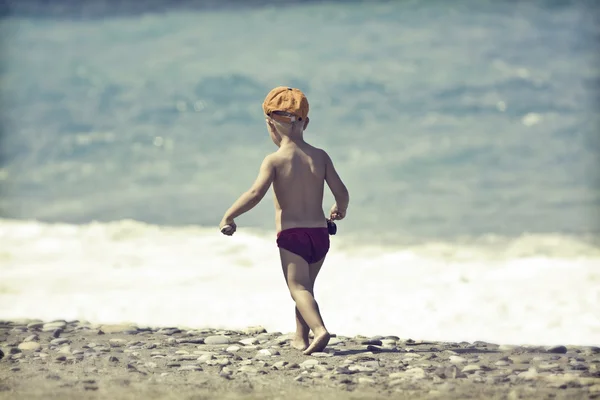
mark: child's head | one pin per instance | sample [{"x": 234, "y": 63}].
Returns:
[{"x": 287, "y": 113}]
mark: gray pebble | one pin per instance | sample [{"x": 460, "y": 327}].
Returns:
[
  {"x": 190, "y": 368},
  {"x": 280, "y": 364},
  {"x": 216, "y": 340},
  {"x": 321, "y": 354},
  {"x": 58, "y": 342},
  {"x": 557, "y": 349},
  {"x": 35, "y": 325},
  {"x": 31, "y": 338},
  {"x": 254, "y": 330},
  {"x": 205, "y": 358},
  {"x": 30, "y": 346},
  {"x": 375, "y": 342},
  {"x": 471, "y": 368}
]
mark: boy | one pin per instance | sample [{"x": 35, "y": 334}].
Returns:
[{"x": 298, "y": 172}]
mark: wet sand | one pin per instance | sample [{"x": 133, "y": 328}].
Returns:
[{"x": 78, "y": 360}]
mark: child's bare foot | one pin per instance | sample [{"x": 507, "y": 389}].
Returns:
[
  {"x": 299, "y": 344},
  {"x": 319, "y": 342}
]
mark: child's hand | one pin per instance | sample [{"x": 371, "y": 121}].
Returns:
[
  {"x": 227, "y": 227},
  {"x": 336, "y": 214}
]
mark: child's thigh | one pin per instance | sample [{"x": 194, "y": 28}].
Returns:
[{"x": 295, "y": 270}]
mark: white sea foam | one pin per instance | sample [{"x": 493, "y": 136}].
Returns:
[{"x": 533, "y": 290}]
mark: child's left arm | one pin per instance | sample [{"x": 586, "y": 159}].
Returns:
[{"x": 252, "y": 197}]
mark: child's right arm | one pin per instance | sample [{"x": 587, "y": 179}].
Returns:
[{"x": 339, "y": 190}]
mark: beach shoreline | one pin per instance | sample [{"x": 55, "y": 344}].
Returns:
[{"x": 76, "y": 359}]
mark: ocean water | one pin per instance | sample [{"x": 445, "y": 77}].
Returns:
[{"x": 467, "y": 134}]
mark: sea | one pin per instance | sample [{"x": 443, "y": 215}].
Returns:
[{"x": 467, "y": 133}]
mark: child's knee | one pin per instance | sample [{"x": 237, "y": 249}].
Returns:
[{"x": 298, "y": 290}]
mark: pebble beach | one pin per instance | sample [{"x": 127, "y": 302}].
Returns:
[{"x": 79, "y": 360}]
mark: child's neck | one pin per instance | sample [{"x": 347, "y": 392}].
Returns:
[{"x": 287, "y": 140}]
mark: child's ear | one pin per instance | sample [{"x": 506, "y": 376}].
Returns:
[
  {"x": 306, "y": 122},
  {"x": 270, "y": 124}
]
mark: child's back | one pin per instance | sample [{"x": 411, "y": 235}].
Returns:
[{"x": 298, "y": 172}]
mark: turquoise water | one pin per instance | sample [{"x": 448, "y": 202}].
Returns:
[{"x": 444, "y": 120}]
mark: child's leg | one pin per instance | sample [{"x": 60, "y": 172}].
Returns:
[
  {"x": 297, "y": 275},
  {"x": 301, "y": 342}
]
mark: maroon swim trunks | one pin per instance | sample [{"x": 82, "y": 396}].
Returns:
[{"x": 312, "y": 244}]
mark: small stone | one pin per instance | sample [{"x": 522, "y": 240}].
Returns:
[
  {"x": 65, "y": 350},
  {"x": 30, "y": 346},
  {"x": 205, "y": 358},
  {"x": 35, "y": 325},
  {"x": 187, "y": 357},
  {"x": 280, "y": 365},
  {"x": 249, "y": 341},
  {"x": 292, "y": 366},
  {"x": 173, "y": 364},
  {"x": 60, "y": 358},
  {"x": 216, "y": 340},
  {"x": 299, "y": 378},
  {"x": 266, "y": 353},
  {"x": 396, "y": 382},
  {"x": 190, "y": 368},
  {"x": 457, "y": 360},
  {"x": 233, "y": 349},
  {"x": 310, "y": 363},
  {"x": 557, "y": 349},
  {"x": 372, "y": 364},
  {"x": 223, "y": 362},
  {"x": 594, "y": 389},
  {"x": 15, "y": 369},
  {"x": 117, "y": 342},
  {"x": 547, "y": 367},
  {"x": 197, "y": 340},
  {"x": 168, "y": 331},
  {"x": 248, "y": 369},
  {"x": 529, "y": 375},
  {"x": 31, "y": 338},
  {"x": 1, "y": 354},
  {"x": 113, "y": 359},
  {"x": 14, "y": 350},
  {"x": 56, "y": 333},
  {"x": 118, "y": 328},
  {"x": 471, "y": 368},
  {"x": 254, "y": 330},
  {"x": 58, "y": 342},
  {"x": 334, "y": 341},
  {"x": 501, "y": 363},
  {"x": 51, "y": 326},
  {"x": 365, "y": 381},
  {"x": 507, "y": 347},
  {"x": 320, "y": 354},
  {"x": 360, "y": 368},
  {"x": 375, "y": 342}
]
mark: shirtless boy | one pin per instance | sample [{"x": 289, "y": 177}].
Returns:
[{"x": 298, "y": 172}]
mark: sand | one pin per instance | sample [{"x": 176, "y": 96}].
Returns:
[{"x": 78, "y": 360}]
